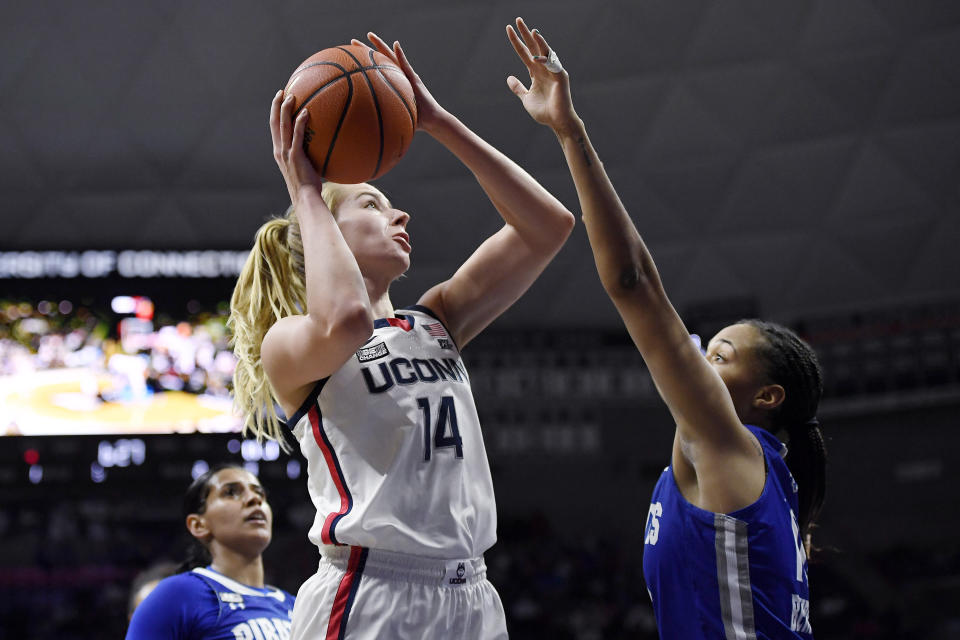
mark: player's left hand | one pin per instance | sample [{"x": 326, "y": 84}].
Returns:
[{"x": 428, "y": 109}]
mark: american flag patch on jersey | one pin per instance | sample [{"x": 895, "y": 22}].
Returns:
[{"x": 436, "y": 330}]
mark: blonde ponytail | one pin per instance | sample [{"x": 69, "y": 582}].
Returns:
[{"x": 271, "y": 285}]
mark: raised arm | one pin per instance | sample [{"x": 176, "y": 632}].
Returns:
[
  {"x": 300, "y": 349},
  {"x": 715, "y": 457},
  {"x": 535, "y": 223}
]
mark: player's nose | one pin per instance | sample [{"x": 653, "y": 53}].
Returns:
[{"x": 400, "y": 217}]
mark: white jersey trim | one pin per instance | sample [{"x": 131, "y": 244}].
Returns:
[
  {"x": 237, "y": 587},
  {"x": 306, "y": 405}
]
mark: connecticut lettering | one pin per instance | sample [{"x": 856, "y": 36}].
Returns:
[{"x": 404, "y": 371}]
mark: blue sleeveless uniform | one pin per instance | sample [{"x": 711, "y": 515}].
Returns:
[
  {"x": 204, "y": 604},
  {"x": 735, "y": 576}
]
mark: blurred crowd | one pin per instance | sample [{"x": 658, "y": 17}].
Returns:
[{"x": 137, "y": 356}]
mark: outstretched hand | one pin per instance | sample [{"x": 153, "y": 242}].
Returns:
[
  {"x": 547, "y": 100},
  {"x": 287, "y": 134},
  {"x": 428, "y": 109}
]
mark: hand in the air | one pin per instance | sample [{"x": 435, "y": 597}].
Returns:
[{"x": 547, "y": 100}]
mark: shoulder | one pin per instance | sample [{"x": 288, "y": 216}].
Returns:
[
  {"x": 172, "y": 607},
  {"x": 774, "y": 451},
  {"x": 179, "y": 587},
  {"x": 428, "y": 318},
  {"x": 770, "y": 443},
  {"x": 779, "y": 473},
  {"x": 419, "y": 311},
  {"x": 284, "y": 599}
]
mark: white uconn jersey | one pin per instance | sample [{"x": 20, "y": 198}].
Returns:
[{"x": 394, "y": 448}]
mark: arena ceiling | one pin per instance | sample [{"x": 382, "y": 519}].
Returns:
[{"x": 801, "y": 154}]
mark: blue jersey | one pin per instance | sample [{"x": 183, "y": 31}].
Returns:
[
  {"x": 203, "y": 604},
  {"x": 735, "y": 576}
]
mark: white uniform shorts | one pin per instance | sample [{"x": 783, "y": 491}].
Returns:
[{"x": 360, "y": 594}]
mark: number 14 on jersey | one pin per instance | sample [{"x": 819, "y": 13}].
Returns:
[{"x": 446, "y": 433}]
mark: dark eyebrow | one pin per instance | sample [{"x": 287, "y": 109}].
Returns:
[
  {"x": 217, "y": 489},
  {"x": 728, "y": 342},
  {"x": 238, "y": 483}
]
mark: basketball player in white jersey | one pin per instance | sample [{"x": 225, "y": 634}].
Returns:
[{"x": 377, "y": 396}]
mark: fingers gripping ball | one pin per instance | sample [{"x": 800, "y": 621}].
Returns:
[{"x": 362, "y": 112}]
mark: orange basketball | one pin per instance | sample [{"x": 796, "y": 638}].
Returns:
[{"x": 362, "y": 112}]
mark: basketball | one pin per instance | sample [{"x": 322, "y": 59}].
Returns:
[{"x": 362, "y": 112}]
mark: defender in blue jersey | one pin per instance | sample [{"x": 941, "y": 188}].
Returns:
[
  {"x": 205, "y": 604},
  {"x": 724, "y": 552},
  {"x": 741, "y": 574},
  {"x": 224, "y": 598}
]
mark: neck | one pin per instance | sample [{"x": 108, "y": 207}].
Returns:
[
  {"x": 243, "y": 568},
  {"x": 380, "y": 302},
  {"x": 757, "y": 418}
]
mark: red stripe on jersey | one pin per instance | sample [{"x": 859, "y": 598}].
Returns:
[
  {"x": 327, "y": 452},
  {"x": 398, "y": 322},
  {"x": 342, "y": 599}
]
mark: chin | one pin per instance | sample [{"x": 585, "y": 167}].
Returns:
[
  {"x": 401, "y": 265},
  {"x": 392, "y": 266},
  {"x": 261, "y": 543},
  {"x": 261, "y": 534}
]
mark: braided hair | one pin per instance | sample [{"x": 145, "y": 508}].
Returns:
[
  {"x": 195, "y": 501},
  {"x": 792, "y": 363}
]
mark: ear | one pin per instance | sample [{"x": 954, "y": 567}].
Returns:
[
  {"x": 197, "y": 526},
  {"x": 769, "y": 397}
]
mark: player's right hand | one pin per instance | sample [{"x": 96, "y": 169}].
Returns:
[{"x": 287, "y": 134}]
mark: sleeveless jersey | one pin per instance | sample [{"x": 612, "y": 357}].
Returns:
[
  {"x": 204, "y": 604},
  {"x": 395, "y": 455},
  {"x": 738, "y": 576}
]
